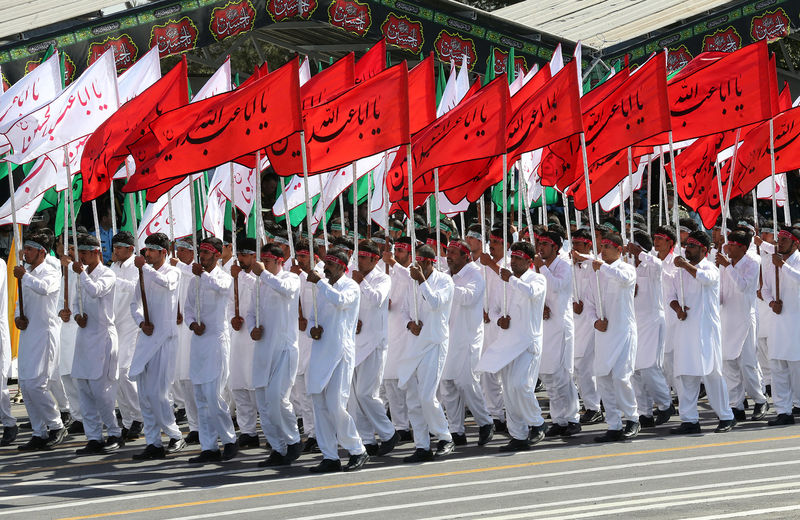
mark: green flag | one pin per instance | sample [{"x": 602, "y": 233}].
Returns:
[
  {"x": 77, "y": 189},
  {"x": 127, "y": 221},
  {"x": 511, "y": 69},
  {"x": 489, "y": 76}
]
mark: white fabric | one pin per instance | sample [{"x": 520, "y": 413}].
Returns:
[
  {"x": 365, "y": 405},
  {"x": 301, "y": 402},
  {"x": 398, "y": 337},
  {"x": 396, "y": 399},
  {"x": 40, "y": 405},
  {"x": 209, "y": 355},
  {"x": 586, "y": 380},
  {"x": 184, "y": 339},
  {"x": 649, "y": 308},
  {"x": 466, "y": 325},
  {"x": 38, "y": 342},
  {"x": 688, "y": 388},
  {"x": 213, "y": 415},
  {"x": 617, "y": 285},
  {"x": 96, "y": 344},
  {"x": 785, "y": 384},
  {"x": 5, "y": 337},
  {"x": 786, "y": 325},
  {"x": 333, "y": 425},
  {"x": 373, "y": 312},
  {"x": 557, "y": 338},
  {"x": 519, "y": 382},
  {"x": 242, "y": 345},
  {"x": 563, "y": 396},
  {"x": 743, "y": 375},
  {"x": 424, "y": 411},
  {"x": 154, "y": 381},
  {"x": 738, "y": 311},
  {"x": 586, "y": 292},
  {"x": 34, "y": 90},
  {"x": 127, "y": 330},
  {"x": 69, "y": 330},
  {"x": 246, "y": 410},
  {"x": 189, "y": 404},
  {"x": 97, "y": 405},
  {"x": 128, "y": 399},
  {"x": 668, "y": 287},
  {"x": 278, "y": 420},
  {"x": 651, "y": 388}
]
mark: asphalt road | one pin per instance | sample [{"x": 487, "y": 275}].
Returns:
[{"x": 752, "y": 471}]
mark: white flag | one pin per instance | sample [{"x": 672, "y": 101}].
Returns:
[
  {"x": 29, "y": 195},
  {"x": 141, "y": 76},
  {"x": 521, "y": 80},
  {"x": 557, "y": 61},
  {"x": 612, "y": 199},
  {"x": 764, "y": 190},
  {"x": 156, "y": 215}
]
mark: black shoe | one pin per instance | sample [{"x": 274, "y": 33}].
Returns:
[
  {"x": 229, "y": 450},
  {"x": 702, "y": 393},
  {"x": 663, "y": 416},
  {"x": 746, "y": 404},
  {"x": 500, "y": 426},
  {"x": 739, "y": 415},
  {"x": 327, "y": 466},
  {"x": 631, "y": 429},
  {"x": 759, "y": 411},
  {"x": 536, "y": 434},
  {"x": 768, "y": 390},
  {"x": 485, "y": 434},
  {"x": 248, "y": 441},
  {"x": 9, "y": 435},
  {"x": 76, "y": 428},
  {"x": 592, "y": 417},
  {"x": 55, "y": 437},
  {"x": 293, "y": 451},
  {"x": 206, "y": 456},
  {"x": 781, "y": 420},
  {"x": 725, "y": 426},
  {"x": 539, "y": 386},
  {"x": 134, "y": 432},
  {"x": 66, "y": 419},
  {"x": 555, "y": 430},
  {"x": 610, "y": 436},
  {"x": 459, "y": 439},
  {"x": 796, "y": 410},
  {"x": 516, "y": 445},
  {"x": 175, "y": 445},
  {"x": 150, "y": 452},
  {"x": 25, "y": 425},
  {"x": 420, "y": 455},
  {"x": 310, "y": 445},
  {"x": 647, "y": 421},
  {"x": 406, "y": 436},
  {"x": 34, "y": 444},
  {"x": 192, "y": 437},
  {"x": 571, "y": 429},
  {"x": 113, "y": 444},
  {"x": 388, "y": 445},
  {"x": 371, "y": 449},
  {"x": 686, "y": 428},
  {"x": 180, "y": 416},
  {"x": 274, "y": 459},
  {"x": 444, "y": 448},
  {"x": 92, "y": 447},
  {"x": 356, "y": 462}
]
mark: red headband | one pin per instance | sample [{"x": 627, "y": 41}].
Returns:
[
  {"x": 460, "y": 246},
  {"x": 583, "y": 240},
  {"x": 208, "y": 247},
  {"x": 545, "y": 239},
  {"x": 270, "y": 256},
  {"x": 694, "y": 242},
  {"x": 403, "y": 245},
  {"x": 661, "y": 235},
  {"x": 431, "y": 242},
  {"x": 302, "y": 252},
  {"x": 367, "y": 254},
  {"x": 521, "y": 254},
  {"x": 785, "y": 234},
  {"x": 607, "y": 242},
  {"x": 335, "y": 260},
  {"x": 495, "y": 237},
  {"x": 421, "y": 258}
]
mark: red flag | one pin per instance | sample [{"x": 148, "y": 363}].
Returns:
[
  {"x": 221, "y": 128},
  {"x": 329, "y": 83},
  {"x": 697, "y": 177},
  {"x": 421, "y": 95},
  {"x": 259, "y": 71},
  {"x": 372, "y": 63},
  {"x": 108, "y": 145},
  {"x": 530, "y": 88},
  {"x": 475, "y": 129},
  {"x": 784, "y": 98}
]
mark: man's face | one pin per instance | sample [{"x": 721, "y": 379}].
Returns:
[
  {"x": 208, "y": 259},
  {"x": 87, "y": 257},
  {"x": 154, "y": 256},
  {"x": 786, "y": 245},
  {"x": 767, "y": 236},
  {"x": 273, "y": 265},
  {"x": 366, "y": 263},
  {"x": 474, "y": 245},
  {"x": 402, "y": 255},
  {"x": 735, "y": 250},
  {"x": 610, "y": 253},
  {"x": 246, "y": 260},
  {"x": 716, "y": 235},
  {"x": 122, "y": 253},
  {"x": 519, "y": 265},
  {"x": 303, "y": 260},
  {"x": 496, "y": 247},
  {"x": 456, "y": 259},
  {"x": 546, "y": 250},
  {"x": 662, "y": 245},
  {"x": 333, "y": 270},
  {"x": 695, "y": 253},
  {"x": 31, "y": 254},
  {"x": 185, "y": 255},
  {"x": 581, "y": 246},
  {"x": 426, "y": 264}
]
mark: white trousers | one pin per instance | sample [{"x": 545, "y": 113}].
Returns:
[
  {"x": 458, "y": 394},
  {"x": 688, "y": 388},
  {"x": 762, "y": 353},
  {"x": 586, "y": 381},
  {"x": 97, "y": 398},
  {"x": 41, "y": 406},
  {"x": 59, "y": 391},
  {"x": 519, "y": 382},
  {"x": 563, "y": 396},
  {"x": 70, "y": 388},
  {"x": 185, "y": 388},
  {"x": 743, "y": 375},
  {"x": 785, "y": 384},
  {"x": 492, "y": 388},
  {"x": 213, "y": 415},
  {"x": 246, "y": 410},
  {"x": 396, "y": 397},
  {"x": 668, "y": 368},
  {"x": 177, "y": 393},
  {"x": 365, "y": 405},
  {"x": 5, "y": 403},
  {"x": 651, "y": 389},
  {"x": 157, "y": 415},
  {"x": 278, "y": 420},
  {"x": 426, "y": 414},
  {"x": 332, "y": 424},
  {"x": 301, "y": 402},
  {"x": 617, "y": 393},
  {"x": 128, "y": 399}
]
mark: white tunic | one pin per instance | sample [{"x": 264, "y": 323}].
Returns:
[
  {"x": 783, "y": 340},
  {"x": 184, "y": 334},
  {"x": 304, "y": 336},
  {"x": 242, "y": 346},
  {"x": 586, "y": 288},
  {"x": 526, "y": 296},
  {"x": 668, "y": 286},
  {"x": 649, "y": 307},
  {"x": 278, "y": 297},
  {"x": 435, "y": 299},
  {"x": 466, "y": 323},
  {"x": 69, "y": 330},
  {"x": 398, "y": 319},
  {"x": 617, "y": 285},
  {"x": 210, "y": 353},
  {"x": 374, "y": 313},
  {"x": 557, "y": 335},
  {"x": 5, "y": 336},
  {"x": 161, "y": 289},
  {"x": 697, "y": 339},
  {"x": 96, "y": 344},
  {"x": 38, "y": 343},
  {"x": 127, "y": 331},
  {"x": 337, "y": 310},
  {"x": 738, "y": 311}
]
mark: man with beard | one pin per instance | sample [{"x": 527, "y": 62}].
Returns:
[
  {"x": 784, "y": 355},
  {"x": 460, "y": 387},
  {"x": 698, "y": 350}
]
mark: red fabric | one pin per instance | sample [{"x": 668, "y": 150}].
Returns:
[
  {"x": 697, "y": 176},
  {"x": 219, "y": 129},
  {"x": 604, "y": 175},
  {"x": 421, "y": 95},
  {"x": 372, "y": 63},
  {"x": 530, "y": 88},
  {"x": 108, "y": 145},
  {"x": 474, "y": 129},
  {"x": 259, "y": 71},
  {"x": 784, "y": 98}
]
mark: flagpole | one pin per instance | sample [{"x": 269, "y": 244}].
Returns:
[
  {"x": 483, "y": 249},
  {"x": 204, "y": 201},
  {"x": 355, "y": 210},
  {"x": 663, "y": 192},
  {"x": 286, "y": 218},
  {"x": 755, "y": 208},
  {"x": 113, "y": 208},
  {"x": 74, "y": 231},
  {"x": 505, "y": 228},
  {"x": 527, "y": 212},
  {"x": 304, "y": 157},
  {"x": 66, "y": 250},
  {"x": 649, "y": 184},
  {"x": 194, "y": 248},
  {"x": 171, "y": 221},
  {"x": 630, "y": 181},
  {"x": 591, "y": 221},
  {"x": 259, "y": 231},
  {"x": 17, "y": 241},
  {"x": 96, "y": 222},
  {"x": 569, "y": 240},
  {"x": 544, "y": 205},
  {"x": 385, "y": 189},
  {"x": 132, "y": 206},
  {"x": 233, "y": 235},
  {"x": 438, "y": 228},
  {"x": 324, "y": 214},
  {"x": 520, "y": 182},
  {"x": 369, "y": 204},
  {"x": 675, "y": 219},
  {"x": 341, "y": 215},
  {"x": 622, "y": 220},
  {"x": 412, "y": 231},
  {"x": 725, "y": 207},
  {"x": 774, "y": 200}
]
